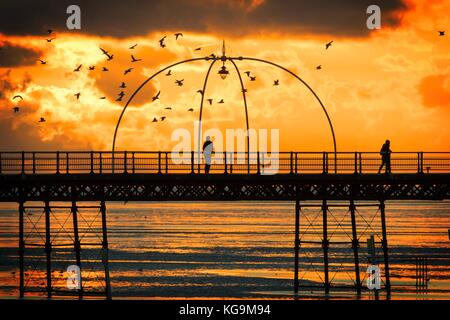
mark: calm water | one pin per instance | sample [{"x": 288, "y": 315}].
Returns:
[{"x": 226, "y": 249}]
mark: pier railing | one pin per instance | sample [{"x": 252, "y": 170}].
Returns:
[{"x": 166, "y": 162}]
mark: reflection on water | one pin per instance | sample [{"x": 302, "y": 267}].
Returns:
[{"x": 228, "y": 249}]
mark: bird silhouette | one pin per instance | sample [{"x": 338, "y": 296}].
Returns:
[
  {"x": 105, "y": 52},
  {"x": 155, "y": 120},
  {"x": 15, "y": 109},
  {"x": 121, "y": 93},
  {"x": 191, "y": 110},
  {"x": 157, "y": 96},
  {"x": 127, "y": 71},
  {"x": 276, "y": 82},
  {"x": 77, "y": 68},
  {"x": 105, "y": 69},
  {"x": 41, "y": 120},
  {"x": 77, "y": 95},
  {"x": 441, "y": 33},
  {"x": 17, "y": 96},
  {"x": 252, "y": 78},
  {"x": 163, "y": 118},
  {"x": 91, "y": 67},
  {"x": 179, "y": 82},
  {"x": 178, "y": 34},
  {"x": 42, "y": 61},
  {"x": 110, "y": 57},
  {"x": 200, "y": 91},
  {"x": 197, "y": 49},
  {"x": 328, "y": 45},
  {"x": 133, "y": 46},
  {"x": 244, "y": 90},
  {"x": 319, "y": 67},
  {"x": 49, "y": 31},
  {"x": 119, "y": 98},
  {"x": 122, "y": 85},
  {"x": 133, "y": 59},
  {"x": 50, "y": 39},
  {"x": 221, "y": 101},
  {"x": 210, "y": 101},
  {"x": 212, "y": 55},
  {"x": 168, "y": 108},
  {"x": 161, "y": 42},
  {"x": 169, "y": 73},
  {"x": 102, "y": 98},
  {"x": 247, "y": 73}
]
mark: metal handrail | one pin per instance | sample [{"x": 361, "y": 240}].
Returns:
[{"x": 166, "y": 162}]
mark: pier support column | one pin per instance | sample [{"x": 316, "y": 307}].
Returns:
[
  {"x": 355, "y": 246},
  {"x": 296, "y": 245},
  {"x": 21, "y": 250},
  {"x": 325, "y": 246},
  {"x": 105, "y": 252},
  {"x": 48, "y": 248},
  {"x": 76, "y": 244},
  {"x": 384, "y": 244}
]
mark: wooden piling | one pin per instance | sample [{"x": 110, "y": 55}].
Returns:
[
  {"x": 325, "y": 246},
  {"x": 76, "y": 244},
  {"x": 105, "y": 250},
  {"x": 385, "y": 248},
  {"x": 48, "y": 248},
  {"x": 355, "y": 246},
  {"x": 296, "y": 245},
  {"x": 21, "y": 250}
]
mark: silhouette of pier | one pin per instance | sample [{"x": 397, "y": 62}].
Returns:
[{"x": 164, "y": 176}]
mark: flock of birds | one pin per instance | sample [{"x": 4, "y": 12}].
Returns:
[{"x": 179, "y": 82}]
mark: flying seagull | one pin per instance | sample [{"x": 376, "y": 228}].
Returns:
[
  {"x": 127, "y": 71},
  {"x": 247, "y": 73},
  {"x": 328, "y": 45},
  {"x": 122, "y": 85},
  {"x": 77, "y": 95},
  {"x": 106, "y": 53},
  {"x": 179, "y": 82},
  {"x": 121, "y": 94},
  {"x": 77, "y": 68},
  {"x": 157, "y": 96},
  {"x": 133, "y": 46},
  {"x": 252, "y": 78},
  {"x": 441, "y": 33},
  {"x": 91, "y": 67},
  {"x": 101, "y": 98},
  {"x": 200, "y": 91},
  {"x": 15, "y": 109},
  {"x": 161, "y": 42},
  {"x": 18, "y": 96},
  {"x": 119, "y": 98},
  {"x": 105, "y": 69},
  {"x": 319, "y": 67},
  {"x": 168, "y": 108},
  {"x": 163, "y": 118},
  {"x": 169, "y": 73},
  {"x": 49, "y": 31},
  {"x": 42, "y": 61},
  {"x": 191, "y": 110},
  {"x": 197, "y": 49},
  {"x": 41, "y": 120},
  {"x": 178, "y": 34},
  {"x": 50, "y": 40},
  {"x": 244, "y": 90},
  {"x": 133, "y": 59},
  {"x": 155, "y": 120},
  {"x": 221, "y": 101},
  {"x": 210, "y": 101},
  {"x": 276, "y": 82}
]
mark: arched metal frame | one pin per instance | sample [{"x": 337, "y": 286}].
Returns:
[{"x": 232, "y": 60}]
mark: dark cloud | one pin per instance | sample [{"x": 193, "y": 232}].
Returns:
[
  {"x": 138, "y": 17},
  {"x": 12, "y": 55}
]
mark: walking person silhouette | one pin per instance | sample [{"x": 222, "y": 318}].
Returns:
[
  {"x": 208, "y": 149},
  {"x": 385, "y": 153}
]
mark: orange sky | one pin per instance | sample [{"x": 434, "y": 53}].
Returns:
[{"x": 392, "y": 84}]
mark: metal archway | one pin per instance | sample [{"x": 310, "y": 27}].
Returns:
[{"x": 232, "y": 60}]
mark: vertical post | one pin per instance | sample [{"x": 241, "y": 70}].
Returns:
[
  {"x": 291, "y": 163},
  {"x": 0, "y": 162},
  {"x": 125, "y": 156},
  {"x": 21, "y": 249},
  {"x": 105, "y": 250},
  {"x": 167, "y": 162},
  {"x": 225, "y": 162},
  {"x": 356, "y": 162},
  {"x": 34, "y": 162},
  {"x": 325, "y": 245},
  {"x": 296, "y": 245},
  {"x": 355, "y": 245},
  {"x": 100, "y": 158},
  {"x": 231, "y": 161},
  {"x": 258, "y": 171},
  {"x": 325, "y": 162},
  {"x": 296, "y": 170},
  {"x": 57, "y": 162},
  {"x": 360, "y": 162},
  {"x": 192, "y": 162},
  {"x": 159, "y": 162},
  {"x": 133, "y": 162},
  {"x": 76, "y": 242},
  {"x": 248, "y": 161},
  {"x": 48, "y": 248},
  {"x": 385, "y": 247},
  {"x": 23, "y": 162},
  {"x": 92, "y": 161},
  {"x": 67, "y": 163}
]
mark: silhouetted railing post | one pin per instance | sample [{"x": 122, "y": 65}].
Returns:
[
  {"x": 296, "y": 162},
  {"x": 225, "y": 162},
  {"x": 231, "y": 162},
  {"x": 248, "y": 161},
  {"x": 420, "y": 162},
  {"x": 57, "y": 162},
  {"x": 92, "y": 161},
  {"x": 325, "y": 162},
  {"x": 0, "y": 162},
  {"x": 291, "y": 163},
  {"x": 125, "y": 156},
  {"x": 159, "y": 162},
  {"x": 23, "y": 162},
  {"x": 360, "y": 162},
  {"x": 133, "y": 162},
  {"x": 258, "y": 170},
  {"x": 100, "y": 159},
  {"x": 67, "y": 163},
  {"x": 166, "y": 164},
  {"x": 34, "y": 162},
  {"x": 192, "y": 162},
  {"x": 356, "y": 162}
]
